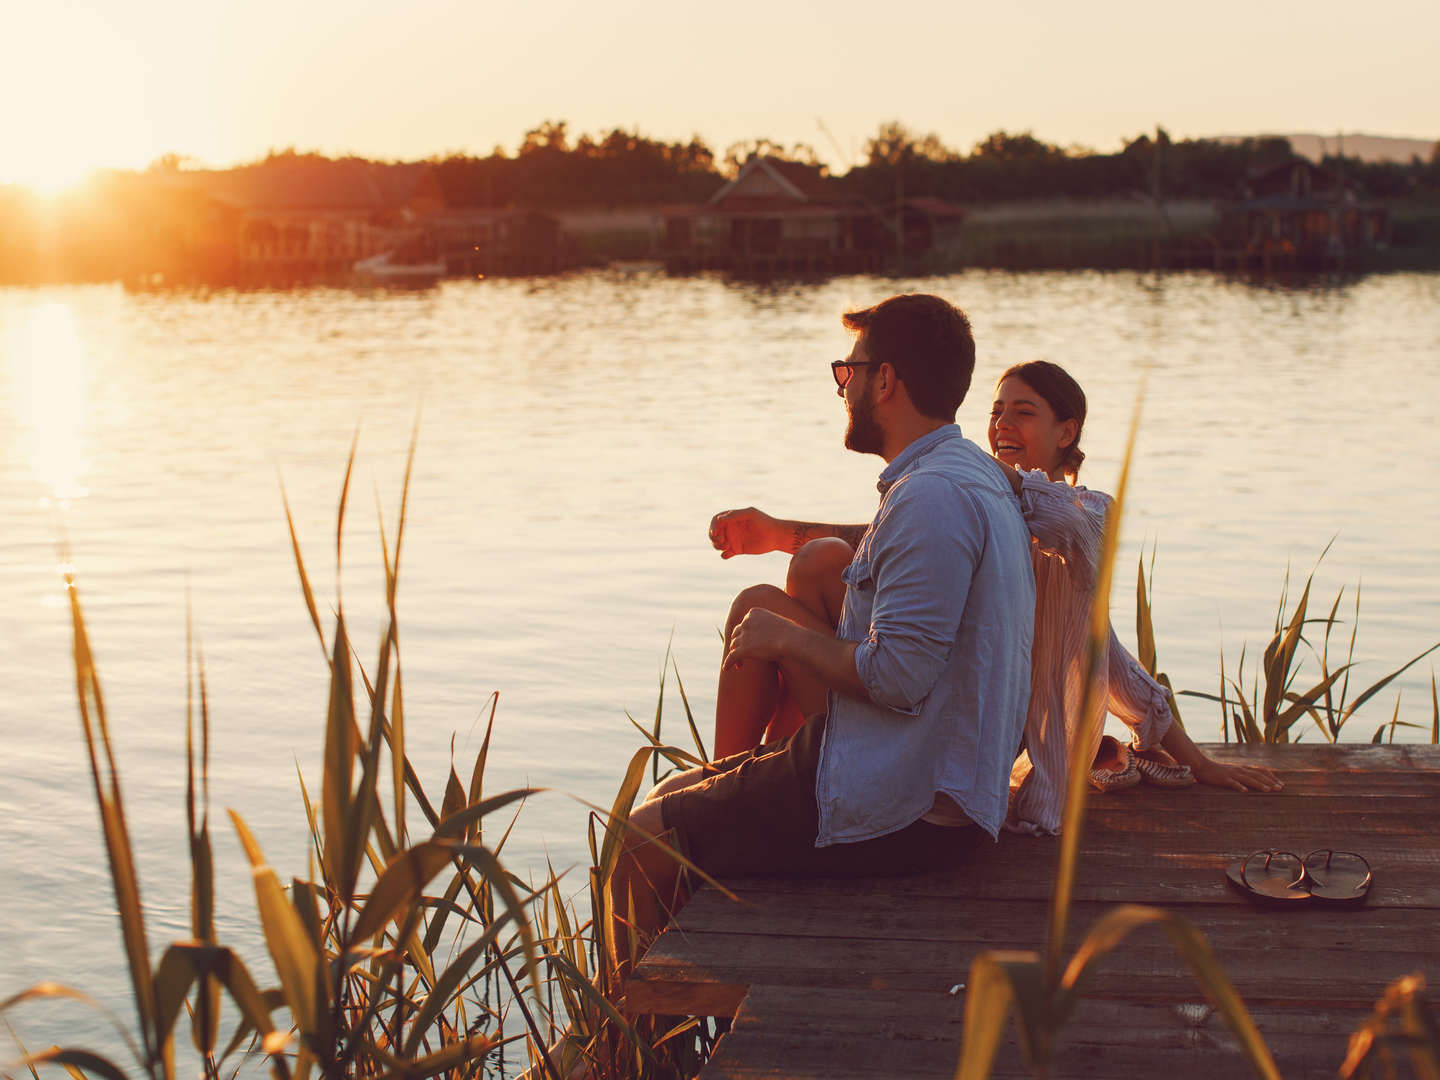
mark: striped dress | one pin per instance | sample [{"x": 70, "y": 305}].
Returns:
[{"x": 1066, "y": 524}]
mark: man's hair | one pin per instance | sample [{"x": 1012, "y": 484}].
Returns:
[{"x": 928, "y": 342}]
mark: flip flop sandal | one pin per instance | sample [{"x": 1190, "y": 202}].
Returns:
[
  {"x": 1277, "y": 878},
  {"x": 1341, "y": 878},
  {"x": 1162, "y": 772},
  {"x": 1114, "y": 767}
]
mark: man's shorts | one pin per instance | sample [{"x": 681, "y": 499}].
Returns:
[{"x": 757, "y": 816}]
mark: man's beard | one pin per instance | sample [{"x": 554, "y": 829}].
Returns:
[{"x": 863, "y": 433}]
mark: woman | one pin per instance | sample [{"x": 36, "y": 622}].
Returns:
[
  {"x": 1035, "y": 426},
  {"x": 1036, "y": 421}
]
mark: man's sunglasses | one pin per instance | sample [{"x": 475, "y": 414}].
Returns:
[{"x": 843, "y": 369}]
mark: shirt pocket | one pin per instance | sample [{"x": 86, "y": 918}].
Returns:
[{"x": 859, "y": 575}]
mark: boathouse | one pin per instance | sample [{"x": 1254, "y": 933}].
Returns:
[
  {"x": 776, "y": 216},
  {"x": 1297, "y": 213}
]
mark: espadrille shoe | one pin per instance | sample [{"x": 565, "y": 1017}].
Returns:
[
  {"x": 1114, "y": 767},
  {"x": 1160, "y": 769}
]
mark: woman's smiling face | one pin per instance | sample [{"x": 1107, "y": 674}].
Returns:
[{"x": 1024, "y": 431}]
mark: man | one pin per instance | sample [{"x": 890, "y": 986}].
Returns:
[{"x": 925, "y": 678}]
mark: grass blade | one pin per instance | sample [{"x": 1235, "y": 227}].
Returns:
[
  {"x": 290, "y": 946},
  {"x": 1371, "y": 691},
  {"x": 87, "y": 1062},
  {"x": 113, "y": 826},
  {"x": 400, "y": 886},
  {"x": 340, "y": 750},
  {"x": 988, "y": 999},
  {"x": 689, "y": 716},
  {"x": 305, "y": 589}
]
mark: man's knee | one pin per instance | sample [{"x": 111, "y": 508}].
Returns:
[
  {"x": 767, "y": 597},
  {"x": 818, "y": 563}
]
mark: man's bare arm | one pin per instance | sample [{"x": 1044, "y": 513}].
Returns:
[
  {"x": 754, "y": 532},
  {"x": 764, "y": 635}
]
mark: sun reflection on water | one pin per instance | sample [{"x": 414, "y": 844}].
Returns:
[{"x": 47, "y": 362}]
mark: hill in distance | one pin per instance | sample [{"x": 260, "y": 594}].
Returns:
[{"x": 1368, "y": 148}]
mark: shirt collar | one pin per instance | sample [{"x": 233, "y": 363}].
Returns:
[{"x": 907, "y": 458}]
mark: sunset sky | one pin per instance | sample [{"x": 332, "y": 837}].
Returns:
[{"x": 87, "y": 83}]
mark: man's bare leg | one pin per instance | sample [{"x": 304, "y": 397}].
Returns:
[
  {"x": 646, "y": 876},
  {"x": 813, "y": 577},
  {"x": 758, "y": 701},
  {"x": 750, "y": 693}
]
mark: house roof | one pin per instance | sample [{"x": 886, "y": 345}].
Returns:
[{"x": 799, "y": 182}]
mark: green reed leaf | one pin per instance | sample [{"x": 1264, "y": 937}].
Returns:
[
  {"x": 336, "y": 783},
  {"x": 448, "y": 984},
  {"x": 1375, "y": 688},
  {"x": 116, "y": 835},
  {"x": 305, "y": 589},
  {"x": 1279, "y": 655},
  {"x": 689, "y": 716},
  {"x": 456, "y": 824},
  {"x": 459, "y": 1052},
  {"x": 400, "y": 886},
  {"x": 87, "y": 1062},
  {"x": 47, "y": 989},
  {"x": 988, "y": 1000},
  {"x": 1144, "y": 627},
  {"x": 1435, "y": 704},
  {"x": 290, "y": 946}
]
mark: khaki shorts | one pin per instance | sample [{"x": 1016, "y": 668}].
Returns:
[{"x": 757, "y": 816}]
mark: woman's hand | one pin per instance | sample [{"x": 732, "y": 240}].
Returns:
[{"x": 1236, "y": 777}]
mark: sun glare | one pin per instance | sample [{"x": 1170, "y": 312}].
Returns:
[{"x": 48, "y": 372}]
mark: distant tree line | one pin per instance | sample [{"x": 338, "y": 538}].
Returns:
[
  {"x": 120, "y": 220},
  {"x": 1006, "y": 166},
  {"x": 549, "y": 170}
]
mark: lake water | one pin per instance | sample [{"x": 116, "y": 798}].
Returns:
[{"x": 575, "y": 435}]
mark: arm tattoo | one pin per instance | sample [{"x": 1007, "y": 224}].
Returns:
[{"x": 803, "y": 532}]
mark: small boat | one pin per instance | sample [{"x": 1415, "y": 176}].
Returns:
[{"x": 382, "y": 269}]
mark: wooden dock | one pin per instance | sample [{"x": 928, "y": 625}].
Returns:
[{"x": 865, "y": 979}]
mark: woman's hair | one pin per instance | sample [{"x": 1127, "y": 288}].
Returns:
[{"x": 1063, "y": 395}]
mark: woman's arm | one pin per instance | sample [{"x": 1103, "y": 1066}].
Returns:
[
  {"x": 1209, "y": 771},
  {"x": 1144, "y": 705}
]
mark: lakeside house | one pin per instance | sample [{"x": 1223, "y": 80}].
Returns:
[
  {"x": 296, "y": 219},
  {"x": 1297, "y": 213},
  {"x": 781, "y": 216}
]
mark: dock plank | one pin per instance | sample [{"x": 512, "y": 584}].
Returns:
[{"x": 863, "y": 978}]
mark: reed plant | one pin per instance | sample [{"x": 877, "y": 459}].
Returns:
[
  {"x": 1269, "y": 710},
  {"x": 408, "y": 946}
]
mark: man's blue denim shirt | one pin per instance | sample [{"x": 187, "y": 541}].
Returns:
[{"x": 941, "y": 599}]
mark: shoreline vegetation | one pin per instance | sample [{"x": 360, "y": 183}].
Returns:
[
  {"x": 561, "y": 202},
  {"x": 411, "y": 951}
]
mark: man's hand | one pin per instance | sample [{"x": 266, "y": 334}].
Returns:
[
  {"x": 746, "y": 532},
  {"x": 761, "y": 635}
]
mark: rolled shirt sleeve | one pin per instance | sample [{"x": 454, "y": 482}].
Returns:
[{"x": 920, "y": 561}]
